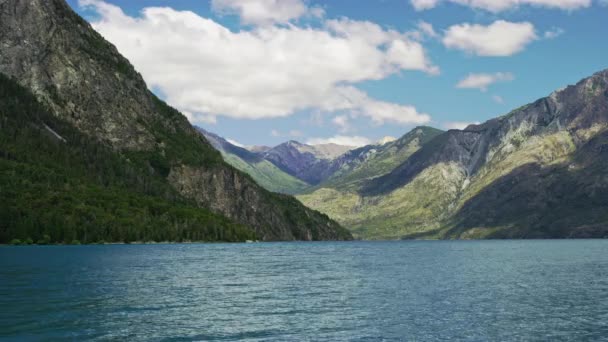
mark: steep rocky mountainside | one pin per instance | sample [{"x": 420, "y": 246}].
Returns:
[
  {"x": 535, "y": 172},
  {"x": 57, "y": 185},
  {"x": 69, "y": 67},
  {"x": 261, "y": 170},
  {"x": 308, "y": 163}
]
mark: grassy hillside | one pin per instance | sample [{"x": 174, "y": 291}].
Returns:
[
  {"x": 375, "y": 161},
  {"x": 267, "y": 175}
]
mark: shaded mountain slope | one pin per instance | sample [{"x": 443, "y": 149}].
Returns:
[
  {"x": 568, "y": 199},
  {"x": 69, "y": 67}
]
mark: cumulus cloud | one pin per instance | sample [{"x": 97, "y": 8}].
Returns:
[
  {"x": 354, "y": 141},
  {"x": 496, "y": 6},
  {"x": 380, "y": 112},
  {"x": 457, "y": 124},
  {"x": 268, "y": 71},
  {"x": 264, "y": 12},
  {"x": 501, "y": 38},
  {"x": 483, "y": 81}
]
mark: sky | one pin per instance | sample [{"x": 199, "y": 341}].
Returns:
[{"x": 260, "y": 72}]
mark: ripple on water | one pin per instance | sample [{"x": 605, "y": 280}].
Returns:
[{"x": 359, "y": 291}]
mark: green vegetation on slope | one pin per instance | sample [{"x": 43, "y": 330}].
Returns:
[
  {"x": 414, "y": 208},
  {"x": 267, "y": 175},
  {"x": 72, "y": 187},
  {"x": 382, "y": 161}
]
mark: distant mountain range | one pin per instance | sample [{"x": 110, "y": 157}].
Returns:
[
  {"x": 293, "y": 167},
  {"x": 260, "y": 169},
  {"x": 536, "y": 172}
]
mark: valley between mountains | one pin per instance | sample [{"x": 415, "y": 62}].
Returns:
[
  {"x": 89, "y": 154},
  {"x": 539, "y": 171}
]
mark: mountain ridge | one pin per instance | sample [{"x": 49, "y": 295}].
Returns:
[
  {"x": 444, "y": 189},
  {"x": 263, "y": 172}
]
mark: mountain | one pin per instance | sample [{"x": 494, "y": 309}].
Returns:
[
  {"x": 306, "y": 162},
  {"x": 353, "y": 168},
  {"x": 58, "y": 185},
  {"x": 91, "y": 89},
  {"x": 537, "y": 172},
  {"x": 261, "y": 170}
]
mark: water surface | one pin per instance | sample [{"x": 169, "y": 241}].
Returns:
[{"x": 359, "y": 291}]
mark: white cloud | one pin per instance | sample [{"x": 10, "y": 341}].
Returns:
[
  {"x": 343, "y": 123},
  {"x": 380, "y": 112},
  {"x": 420, "y": 5},
  {"x": 457, "y": 124},
  {"x": 235, "y": 143},
  {"x": 201, "y": 118},
  {"x": 501, "y": 38},
  {"x": 264, "y": 12},
  {"x": 354, "y": 141},
  {"x": 483, "y": 81},
  {"x": 427, "y": 29},
  {"x": 498, "y": 99},
  {"x": 496, "y": 6},
  {"x": 269, "y": 71},
  {"x": 553, "y": 33}
]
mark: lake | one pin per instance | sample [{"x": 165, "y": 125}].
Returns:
[{"x": 335, "y": 291}]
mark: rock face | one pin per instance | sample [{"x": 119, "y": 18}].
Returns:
[
  {"x": 538, "y": 171},
  {"x": 55, "y": 53},
  {"x": 277, "y": 217},
  {"x": 49, "y": 49}
]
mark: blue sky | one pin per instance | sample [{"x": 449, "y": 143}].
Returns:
[{"x": 514, "y": 53}]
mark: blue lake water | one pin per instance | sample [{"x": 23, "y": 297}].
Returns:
[{"x": 353, "y": 291}]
